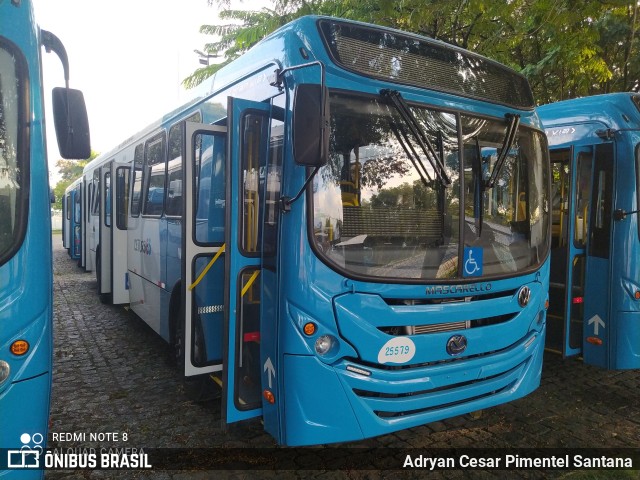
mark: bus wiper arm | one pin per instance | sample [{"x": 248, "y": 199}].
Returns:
[
  {"x": 509, "y": 138},
  {"x": 430, "y": 152},
  {"x": 410, "y": 151}
]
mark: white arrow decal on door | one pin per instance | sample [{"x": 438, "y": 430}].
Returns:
[
  {"x": 269, "y": 368},
  {"x": 597, "y": 323}
]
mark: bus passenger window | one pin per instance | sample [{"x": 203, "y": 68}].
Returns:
[
  {"x": 137, "y": 182},
  {"x": 154, "y": 176}
]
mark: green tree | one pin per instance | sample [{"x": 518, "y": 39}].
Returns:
[
  {"x": 69, "y": 170},
  {"x": 566, "y": 48}
]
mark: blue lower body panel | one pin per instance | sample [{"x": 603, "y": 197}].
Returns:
[
  {"x": 329, "y": 403},
  {"x": 24, "y": 418}
]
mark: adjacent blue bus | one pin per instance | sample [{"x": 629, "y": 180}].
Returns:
[
  {"x": 348, "y": 229},
  {"x": 595, "y": 280},
  {"x": 72, "y": 220},
  {"x": 25, "y": 232}
]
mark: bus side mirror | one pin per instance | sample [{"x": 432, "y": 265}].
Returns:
[
  {"x": 71, "y": 123},
  {"x": 311, "y": 125},
  {"x": 52, "y": 196}
]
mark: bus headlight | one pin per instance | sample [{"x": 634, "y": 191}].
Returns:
[
  {"x": 5, "y": 369},
  {"x": 325, "y": 343}
]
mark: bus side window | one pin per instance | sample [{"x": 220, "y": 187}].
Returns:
[
  {"x": 137, "y": 182},
  {"x": 153, "y": 176},
  {"x": 122, "y": 197}
]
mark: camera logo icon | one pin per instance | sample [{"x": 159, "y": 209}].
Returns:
[{"x": 28, "y": 456}]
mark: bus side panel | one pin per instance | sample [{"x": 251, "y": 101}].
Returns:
[{"x": 627, "y": 352}]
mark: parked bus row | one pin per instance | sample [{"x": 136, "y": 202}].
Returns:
[
  {"x": 26, "y": 275},
  {"x": 347, "y": 230}
]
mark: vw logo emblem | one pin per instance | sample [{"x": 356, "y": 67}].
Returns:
[
  {"x": 524, "y": 295},
  {"x": 456, "y": 345}
]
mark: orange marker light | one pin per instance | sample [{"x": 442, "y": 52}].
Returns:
[
  {"x": 594, "y": 341},
  {"x": 546, "y": 304},
  {"x": 637, "y": 295},
  {"x": 269, "y": 397},
  {"x": 309, "y": 328},
  {"x": 19, "y": 347}
]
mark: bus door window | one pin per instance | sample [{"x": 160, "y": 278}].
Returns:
[
  {"x": 173, "y": 205},
  {"x": 107, "y": 199},
  {"x": 560, "y": 191},
  {"x": 95, "y": 199},
  {"x": 137, "y": 181},
  {"x": 248, "y": 386},
  {"x": 253, "y": 167},
  {"x": 154, "y": 176},
  {"x": 210, "y": 187},
  {"x": 77, "y": 219},
  {"x": 273, "y": 182},
  {"x": 582, "y": 197},
  {"x": 122, "y": 197},
  {"x": 601, "y": 195}
]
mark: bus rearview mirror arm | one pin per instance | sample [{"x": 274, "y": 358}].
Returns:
[
  {"x": 620, "y": 214},
  {"x": 286, "y": 202}
]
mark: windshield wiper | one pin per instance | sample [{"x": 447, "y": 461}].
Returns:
[
  {"x": 410, "y": 152},
  {"x": 437, "y": 163},
  {"x": 509, "y": 138}
]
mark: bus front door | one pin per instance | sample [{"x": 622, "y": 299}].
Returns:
[
  {"x": 571, "y": 170},
  {"x": 598, "y": 344},
  {"x": 222, "y": 258}
]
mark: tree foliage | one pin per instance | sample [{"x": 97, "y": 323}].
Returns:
[
  {"x": 69, "y": 171},
  {"x": 566, "y": 48}
]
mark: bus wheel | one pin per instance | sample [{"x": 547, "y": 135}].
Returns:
[{"x": 198, "y": 388}]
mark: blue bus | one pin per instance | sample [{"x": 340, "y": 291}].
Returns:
[
  {"x": 25, "y": 232},
  {"x": 595, "y": 281},
  {"x": 347, "y": 229}
]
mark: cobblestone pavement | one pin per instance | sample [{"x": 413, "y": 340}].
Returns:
[{"x": 112, "y": 374}]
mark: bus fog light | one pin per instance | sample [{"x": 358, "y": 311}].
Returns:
[
  {"x": 5, "y": 369},
  {"x": 324, "y": 344}
]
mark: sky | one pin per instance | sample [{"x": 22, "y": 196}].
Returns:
[{"x": 127, "y": 57}]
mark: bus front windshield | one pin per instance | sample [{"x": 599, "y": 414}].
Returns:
[{"x": 398, "y": 202}]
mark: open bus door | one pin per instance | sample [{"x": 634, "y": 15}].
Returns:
[
  {"x": 222, "y": 261},
  {"x": 571, "y": 170},
  {"x": 598, "y": 346},
  {"x": 579, "y": 290},
  {"x": 103, "y": 247}
]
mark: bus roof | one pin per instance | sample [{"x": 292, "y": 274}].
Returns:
[{"x": 496, "y": 84}]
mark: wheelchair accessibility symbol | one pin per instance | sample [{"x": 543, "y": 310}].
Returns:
[{"x": 473, "y": 261}]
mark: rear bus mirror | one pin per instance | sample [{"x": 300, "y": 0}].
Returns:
[
  {"x": 311, "y": 125},
  {"x": 71, "y": 123}
]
